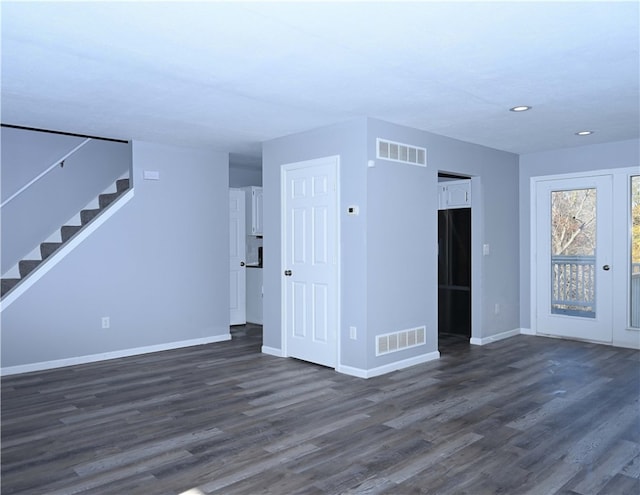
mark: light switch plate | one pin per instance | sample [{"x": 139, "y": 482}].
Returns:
[{"x": 151, "y": 175}]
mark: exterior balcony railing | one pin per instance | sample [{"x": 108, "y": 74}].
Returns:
[{"x": 573, "y": 287}]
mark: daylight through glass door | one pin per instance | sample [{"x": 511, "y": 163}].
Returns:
[
  {"x": 573, "y": 252},
  {"x": 635, "y": 252}
]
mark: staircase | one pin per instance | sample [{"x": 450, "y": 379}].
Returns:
[{"x": 67, "y": 232}]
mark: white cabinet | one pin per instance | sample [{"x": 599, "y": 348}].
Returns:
[
  {"x": 454, "y": 194},
  {"x": 254, "y": 295},
  {"x": 253, "y": 195}
]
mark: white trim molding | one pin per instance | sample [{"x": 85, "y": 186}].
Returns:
[
  {"x": 272, "y": 351},
  {"x": 496, "y": 337},
  {"x": 92, "y": 358},
  {"x": 388, "y": 368}
]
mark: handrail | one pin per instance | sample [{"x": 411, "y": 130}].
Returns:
[
  {"x": 573, "y": 259},
  {"x": 59, "y": 161}
]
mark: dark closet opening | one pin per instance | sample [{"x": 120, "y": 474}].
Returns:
[{"x": 454, "y": 272}]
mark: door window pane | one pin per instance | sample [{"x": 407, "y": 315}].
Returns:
[
  {"x": 573, "y": 252},
  {"x": 635, "y": 251}
]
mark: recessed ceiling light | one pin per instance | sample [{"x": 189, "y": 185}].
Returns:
[
  {"x": 584, "y": 133},
  {"x": 520, "y": 108}
]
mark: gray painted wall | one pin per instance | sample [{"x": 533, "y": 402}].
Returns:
[
  {"x": 620, "y": 154},
  {"x": 348, "y": 140},
  {"x": 159, "y": 268},
  {"x": 44, "y": 207},
  {"x": 402, "y": 232},
  {"x": 241, "y": 176},
  {"x": 389, "y": 252},
  {"x": 495, "y": 216},
  {"x": 26, "y": 153}
]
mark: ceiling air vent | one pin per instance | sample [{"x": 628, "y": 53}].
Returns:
[{"x": 403, "y": 153}]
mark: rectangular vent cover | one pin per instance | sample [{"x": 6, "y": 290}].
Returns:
[
  {"x": 397, "y": 341},
  {"x": 403, "y": 153}
]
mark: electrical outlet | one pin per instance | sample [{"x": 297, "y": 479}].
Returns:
[
  {"x": 352, "y": 333},
  {"x": 106, "y": 322},
  {"x": 496, "y": 309}
]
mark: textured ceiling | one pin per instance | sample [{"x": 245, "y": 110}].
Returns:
[{"x": 229, "y": 75}]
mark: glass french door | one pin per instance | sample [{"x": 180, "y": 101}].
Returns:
[
  {"x": 573, "y": 268},
  {"x": 634, "y": 288}
]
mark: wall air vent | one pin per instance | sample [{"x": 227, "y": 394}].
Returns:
[
  {"x": 403, "y": 153},
  {"x": 398, "y": 341}
]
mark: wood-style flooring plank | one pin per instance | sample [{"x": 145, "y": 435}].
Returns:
[{"x": 525, "y": 415}]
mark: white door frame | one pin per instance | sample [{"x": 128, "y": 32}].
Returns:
[
  {"x": 477, "y": 261},
  {"x": 622, "y": 335},
  {"x": 238, "y": 316},
  {"x": 283, "y": 239}
]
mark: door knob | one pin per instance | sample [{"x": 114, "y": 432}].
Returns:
[
  {"x": 287, "y": 273},
  {"x": 606, "y": 268},
  {"x": 242, "y": 263}
]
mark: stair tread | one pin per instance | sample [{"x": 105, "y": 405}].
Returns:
[
  {"x": 30, "y": 262},
  {"x": 106, "y": 199},
  {"x": 8, "y": 284},
  {"x": 48, "y": 248},
  {"x": 87, "y": 215},
  {"x": 68, "y": 231},
  {"x": 27, "y": 266},
  {"x": 122, "y": 184}
]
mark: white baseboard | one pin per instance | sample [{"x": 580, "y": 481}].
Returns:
[
  {"x": 92, "y": 358},
  {"x": 627, "y": 345},
  {"x": 272, "y": 351},
  {"x": 387, "y": 368},
  {"x": 527, "y": 331},
  {"x": 495, "y": 338}
]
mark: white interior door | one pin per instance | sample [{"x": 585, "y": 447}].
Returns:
[
  {"x": 237, "y": 250},
  {"x": 310, "y": 260},
  {"x": 573, "y": 258}
]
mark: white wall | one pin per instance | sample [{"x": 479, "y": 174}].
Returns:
[
  {"x": 605, "y": 156},
  {"x": 159, "y": 268}
]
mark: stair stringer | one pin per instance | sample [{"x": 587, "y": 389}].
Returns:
[{"x": 65, "y": 249}]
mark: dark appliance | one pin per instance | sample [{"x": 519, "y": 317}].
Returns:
[{"x": 454, "y": 271}]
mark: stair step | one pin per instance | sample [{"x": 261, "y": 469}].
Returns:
[
  {"x": 27, "y": 266},
  {"x": 122, "y": 185},
  {"x": 48, "y": 248},
  {"x": 87, "y": 215},
  {"x": 8, "y": 284},
  {"x": 106, "y": 199},
  {"x": 68, "y": 231}
]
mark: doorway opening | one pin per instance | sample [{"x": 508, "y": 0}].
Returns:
[{"x": 454, "y": 260}]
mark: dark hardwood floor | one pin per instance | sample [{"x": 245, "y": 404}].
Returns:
[{"x": 527, "y": 415}]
